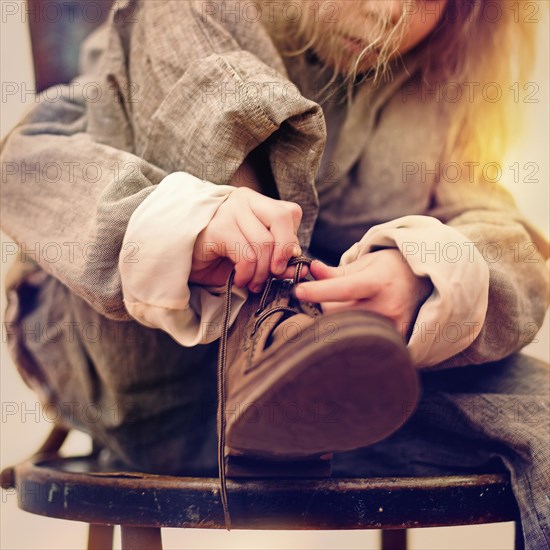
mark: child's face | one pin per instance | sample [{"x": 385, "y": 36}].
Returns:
[{"x": 392, "y": 27}]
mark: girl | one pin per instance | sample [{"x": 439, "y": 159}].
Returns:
[{"x": 231, "y": 136}]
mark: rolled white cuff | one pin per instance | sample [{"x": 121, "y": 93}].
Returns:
[
  {"x": 453, "y": 315},
  {"x": 155, "y": 278}
]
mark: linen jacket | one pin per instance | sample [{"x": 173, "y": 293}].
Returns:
[{"x": 178, "y": 90}]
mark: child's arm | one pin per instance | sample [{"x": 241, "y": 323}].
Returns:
[
  {"x": 382, "y": 282},
  {"x": 516, "y": 255},
  {"x": 67, "y": 198},
  {"x": 166, "y": 105},
  {"x": 486, "y": 264}
]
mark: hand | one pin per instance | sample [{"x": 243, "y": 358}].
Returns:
[
  {"x": 380, "y": 281},
  {"x": 251, "y": 232}
]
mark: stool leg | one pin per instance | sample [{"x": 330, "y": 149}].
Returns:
[
  {"x": 141, "y": 538},
  {"x": 394, "y": 539},
  {"x": 54, "y": 441},
  {"x": 100, "y": 537}
]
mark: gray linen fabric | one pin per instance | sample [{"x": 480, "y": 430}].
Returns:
[{"x": 181, "y": 91}]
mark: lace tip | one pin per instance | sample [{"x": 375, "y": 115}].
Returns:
[{"x": 227, "y": 518}]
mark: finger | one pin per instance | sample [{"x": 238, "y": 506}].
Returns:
[
  {"x": 338, "y": 289},
  {"x": 320, "y": 270},
  {"x": 231, "y": 247},
  {"x": 289, "y": 272},
  {"x": 293, "y": 248},
  {"x": 219, "y": 277},
  {"x": 244, "y": 269},
  {"x": 257, "y": 250},
  {"x": 283, "y": 252},
  {"x": 282, "y": 218},
  {"x": 295, "y": 211},
  {"x": 287, "y": 244}
]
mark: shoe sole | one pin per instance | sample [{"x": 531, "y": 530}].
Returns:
[{"x": 349, "y": 391}]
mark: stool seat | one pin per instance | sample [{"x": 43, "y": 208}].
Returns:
[
  {"x": 80, "y": 489},
  {"x": 85, "y": 489}
]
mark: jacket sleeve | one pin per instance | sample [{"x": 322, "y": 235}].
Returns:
[
  {"x": 173, "y": 91},
  {"x": 489, "y": 272},
  {"x": 452, "y": 316},
  {"x": 66, "y": 198},
  {"x": 209, "y": 89},
  {"x": 517, "y": 257},
  {"x": 156, "y": 285},
  {"x": 487, "y": 262}
]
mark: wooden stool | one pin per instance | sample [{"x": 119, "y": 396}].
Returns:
[{"x": 79, "y": 489}]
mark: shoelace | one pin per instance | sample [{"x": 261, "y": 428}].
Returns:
[{"x": 299, "y": 262}]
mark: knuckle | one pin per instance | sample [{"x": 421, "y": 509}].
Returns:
[
  {"x": 296, "y": 210},
  {"x": 292, "y": 212}
]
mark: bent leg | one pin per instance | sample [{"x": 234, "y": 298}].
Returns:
[
  {"x": 507, "y": 404},
  {"x": 476, "y": 419},
  {"x": 136, "y": 391}
]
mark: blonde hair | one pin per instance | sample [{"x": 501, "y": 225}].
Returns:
[
  {"x": 489, "y": 46},
  {"x": 476, "y": 43}
]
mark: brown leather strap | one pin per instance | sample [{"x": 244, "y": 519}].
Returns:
[{"x": 299, "y": 262}]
